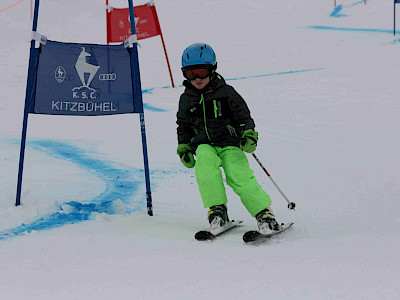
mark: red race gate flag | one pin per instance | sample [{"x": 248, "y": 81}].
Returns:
[
  {"x": 119, "y": 25},
  {"x": 146, "y": 23}
]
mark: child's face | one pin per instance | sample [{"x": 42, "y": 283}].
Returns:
[{"x": 200, "y": 83}]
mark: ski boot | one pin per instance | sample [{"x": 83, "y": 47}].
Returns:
[
  {"x": 217, "y": 217},
  {"x": 266, "y": 221}
]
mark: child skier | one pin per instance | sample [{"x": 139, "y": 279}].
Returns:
[{"x": 215, "y": 126}]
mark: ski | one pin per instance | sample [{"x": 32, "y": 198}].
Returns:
[
  {"x": 206, "y": 235},
  {"x": 256, "y": 236}
]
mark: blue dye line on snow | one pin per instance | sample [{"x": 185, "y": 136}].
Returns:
[
  {"x": 149, "y": 107},
  {"x": 356, "y": 3},
  {"x": 351, "y": 29},
  {"x": 337, "y": 12},
  {"x": 120, "y": 184},
  {"x": 148, "y": 91},
  {"x": 274, "y": 74},
  {"x": 151, "y": 90}
]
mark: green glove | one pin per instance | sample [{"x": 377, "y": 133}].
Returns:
[
  {"x": 185, "y": 152},
  {"x": 249, "y": 141}
]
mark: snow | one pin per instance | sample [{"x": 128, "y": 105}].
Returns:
[{"x": 322, "y": 87}]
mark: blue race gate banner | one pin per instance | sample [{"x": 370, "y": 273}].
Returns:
[{"x": 83, "y": 79}]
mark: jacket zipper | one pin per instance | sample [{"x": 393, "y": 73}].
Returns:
[
  {"x": 215, "y": 109},
  {"x": 204, "y": 114}
]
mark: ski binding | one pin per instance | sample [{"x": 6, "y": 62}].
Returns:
[{"x": 206, "y": 235}]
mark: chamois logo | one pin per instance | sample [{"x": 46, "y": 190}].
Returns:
[
  {"x": 83, "y": 67},
  {"x": 86, "y": 71}
]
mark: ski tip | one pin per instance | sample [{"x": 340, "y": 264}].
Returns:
[
  {"x": 249, "y": 235},
  {"x": 204, "y": 236},
  {"x": 253, "y": 235}
]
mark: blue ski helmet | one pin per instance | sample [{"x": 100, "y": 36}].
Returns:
[{"x": 198, "y": 54}]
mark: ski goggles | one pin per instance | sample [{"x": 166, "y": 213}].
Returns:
[{"x": 202, "y": 73}]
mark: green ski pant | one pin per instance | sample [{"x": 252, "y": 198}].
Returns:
[{"x": 239, "y": 177}]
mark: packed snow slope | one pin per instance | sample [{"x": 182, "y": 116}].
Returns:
[{"x": 322, "y": 86}]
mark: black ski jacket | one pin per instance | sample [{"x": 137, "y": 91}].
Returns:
[{"x": 216, "y": 115}]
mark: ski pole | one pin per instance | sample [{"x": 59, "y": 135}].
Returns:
[{"x": 291, "y": 205}]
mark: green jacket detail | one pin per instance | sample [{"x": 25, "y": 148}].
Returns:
[{"x": 216, "y": 115}]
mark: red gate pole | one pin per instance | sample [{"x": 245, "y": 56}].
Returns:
[
  {"x": 163, "y": 43},
  {"x": 108, "y": 25}
]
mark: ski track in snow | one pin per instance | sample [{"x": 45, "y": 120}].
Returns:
[{"x": 121, "y": 185}]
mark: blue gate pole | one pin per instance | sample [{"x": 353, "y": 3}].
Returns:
[
  {"x": 29, "y": 89},
  {"x": 137, "y": 93},
  {"x": 146, "y": 166},
  {"x": 394, "y": 17}
]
